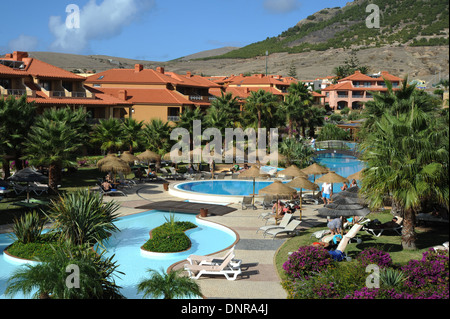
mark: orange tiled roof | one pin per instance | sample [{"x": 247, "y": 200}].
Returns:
[
  {"x": 149, "y": 96},
  {"x": 347, "y": 85},
  {"x": 357, "y": 76},
  {"x": 39, "y": 69},
  {"x": 100, "y": 99},
  {"x": 386, "y": 75},
  {"x": 244, "y": 92},
  {"x": 149, "y": 76},
  {"x": 10, "y": 71}
]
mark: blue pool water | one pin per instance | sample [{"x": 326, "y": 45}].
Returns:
[
  {"x": 125, "y": 245},
  {"x": 343, "y": 165}
]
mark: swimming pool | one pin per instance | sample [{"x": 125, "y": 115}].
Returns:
[
  {"x": 232, "y": 191},
  {"x": 125, "y": 245}
]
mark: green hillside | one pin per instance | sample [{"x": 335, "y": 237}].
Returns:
[{"x": 402, "y": 22}]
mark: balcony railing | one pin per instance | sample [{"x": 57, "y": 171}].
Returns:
[
  {"x": 195, "y": 97},
  {"x": 19, "y": 92},
  {"x": 78, "y": 94},
  {"x": 173, "y": 118}
]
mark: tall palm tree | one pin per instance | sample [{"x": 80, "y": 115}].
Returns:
[
  {"x": 169, "y": 285},
  {"x": 292, "y": 109},
  {"x": 217, "y": 117},
  {"x": 157, "y": 136},
  {"x": 53, "y": 143},
  {"x": 186, "y": 121},
  {"x": 132, "y": 133},
  {"x": 230, "y": 105},
  {"x": 16, "y": 118},
  {"x": 50, "y": 279},
  {"x": 109, "y": 134},
  {"x": 407, "y": 159},
  {"x": 261, "y": 103}
]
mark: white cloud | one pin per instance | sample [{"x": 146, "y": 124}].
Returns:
[
  {"x": 23, "y": 43},
  {"x": 97, "y": 21},
  {"x": 281, "y": 6}
]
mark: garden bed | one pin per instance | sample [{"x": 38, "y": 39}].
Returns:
[{"x": 170, "y": 237}]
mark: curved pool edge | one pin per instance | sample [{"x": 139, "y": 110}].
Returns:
[
  {"x": 210, "y": 198},
  {"x": 201, "y": 220}
]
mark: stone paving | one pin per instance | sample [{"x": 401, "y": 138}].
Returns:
[{"x": 259, "y": 278}]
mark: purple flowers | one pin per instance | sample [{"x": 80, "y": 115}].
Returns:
[
  {"x": 374, "y": 256},
  {"x": 306, "y": 261},
  {"x": 314, "y": 274}
]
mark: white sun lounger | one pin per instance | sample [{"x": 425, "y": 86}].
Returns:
[
  {"x": 290, "y": 228},
  {"x": 283, "y": 223},
  {"x": 224, "y": 269},
  {"x": 213, "y": 260},
  {"x": 347, "y": 237}
]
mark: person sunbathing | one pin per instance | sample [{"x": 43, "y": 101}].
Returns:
[{"x": 390, "y": 224}]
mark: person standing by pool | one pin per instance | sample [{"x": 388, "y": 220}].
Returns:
[{"x": 327, "y": 192}]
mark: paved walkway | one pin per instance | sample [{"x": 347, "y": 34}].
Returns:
[{"x": 259, "y": 278}]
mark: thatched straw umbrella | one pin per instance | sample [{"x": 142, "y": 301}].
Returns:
[
  {"x": 293, "y": 171},
  {"x": 113, "y": 164},
  {"x": 148, "y": 157},
  {"x": 301, "y": 182},
  {"x": 356, "y": 176},
  {"x": 315, "y": 169},
  {"x": 128, "y": 157},
  {"x": 278, "y": 188},
  {"x": 343, "y": 207},
  {"x": 252, "y": 172},
  {"x": 331, "y": 178},
  {"x": 352, "y": 194}
]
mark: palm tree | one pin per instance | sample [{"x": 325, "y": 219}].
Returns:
[
  {"x": 50, "y": 279},
  {"x": 407, "y": 158},
  {"x": 292, "y": 109},
  {"x": 132, "y": 133},
  {"x": 261, "y": 103},
  {"x": 230, "y": 106},
  {"x": 53, "y": 142},
  {"x": 297, "y": 152},
  {"x": 16, "y": 118},
  {"x": 156, "y": 136},
  {"x": 82, "y": 218},
  {"x": 109, "y": 134},
  {"x": 169, "y": 285},
  {"x": 186, "y": 121},
  {"x": 217, "y": 118}
]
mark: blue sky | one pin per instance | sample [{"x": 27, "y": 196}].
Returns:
[{"x": 154, "y": 30}]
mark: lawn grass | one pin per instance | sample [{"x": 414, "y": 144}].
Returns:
[
  {"x": 427, "y": 236},
  {"x": 84, "y": 177}
]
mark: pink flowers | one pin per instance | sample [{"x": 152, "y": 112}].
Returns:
[
  {"x": 374, "y": 256},
  {"x": 306, "y": 261}
]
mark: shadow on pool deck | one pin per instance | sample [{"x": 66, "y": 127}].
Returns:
[{"x": 187, "y": 207}]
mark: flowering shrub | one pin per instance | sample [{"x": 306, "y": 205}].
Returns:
[
  {"x": 306, "y": 261},
  {"x": 428, "y": 274},
  {"x": 374, "y": 256},
  {"x": 382, "y": 293}
]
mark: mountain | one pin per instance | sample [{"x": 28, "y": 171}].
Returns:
[
  {"x": 412, "y": 41},
  {"x": 207, "y": 53},
  {"x": 402, "y": 23}
]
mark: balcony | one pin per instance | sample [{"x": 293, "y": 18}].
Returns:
[{"x": 172, "y": 118}]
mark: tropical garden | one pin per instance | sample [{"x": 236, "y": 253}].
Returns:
[{"x": 404, "y": 142}]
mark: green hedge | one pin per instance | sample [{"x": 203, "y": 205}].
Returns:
[{"x": 169, "y": 238}]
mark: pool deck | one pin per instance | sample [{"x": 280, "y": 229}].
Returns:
[{"x": 259, "y": 278}]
